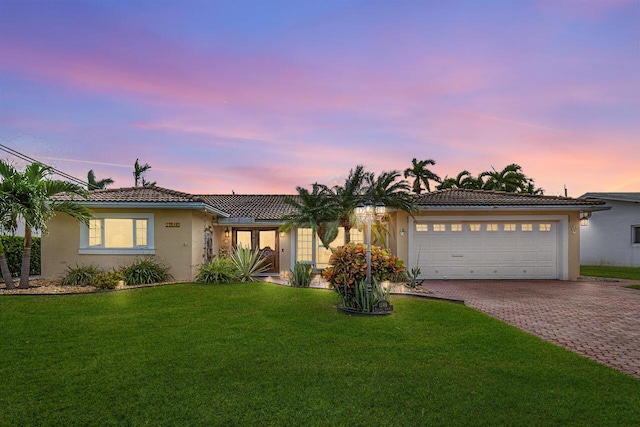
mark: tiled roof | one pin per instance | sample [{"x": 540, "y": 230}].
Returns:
[
  {"x": 266, "y": 207},
  {"x": 138, "y": 195},
  {"x": 497, "y": 198},
  {"x": 263, "y": 207},
  {"x": 623, "y": 197}
]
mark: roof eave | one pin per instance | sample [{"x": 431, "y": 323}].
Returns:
[
  {"x": 584, "y": 208},
  {"x": 154, "y": 205}
]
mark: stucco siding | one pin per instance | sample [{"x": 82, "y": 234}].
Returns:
[{"x": 607, "y": 238}]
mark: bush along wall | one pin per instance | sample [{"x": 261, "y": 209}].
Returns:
[{"x": 13, "y": 246}]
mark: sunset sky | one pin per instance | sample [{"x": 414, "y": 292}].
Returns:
[{"x": 263, "y": 96}]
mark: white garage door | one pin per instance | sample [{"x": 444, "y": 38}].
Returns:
[{"x": 485, "y": 250}]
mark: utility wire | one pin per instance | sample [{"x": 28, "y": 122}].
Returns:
[{"x": 56, "y": 171}]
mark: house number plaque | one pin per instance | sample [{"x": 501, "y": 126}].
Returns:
[{"x": 172, "y": 224}]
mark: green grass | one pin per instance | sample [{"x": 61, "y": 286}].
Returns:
[
  {"x": 260, "y": 354},
  {"x": 632, "y": 273}
]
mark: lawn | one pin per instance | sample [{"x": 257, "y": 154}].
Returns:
[
  {"x": 632, "y": 273},
  {"x": 261, "y": 354}
]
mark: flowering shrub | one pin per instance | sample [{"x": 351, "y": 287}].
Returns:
[{"x": 348, "y": 265}]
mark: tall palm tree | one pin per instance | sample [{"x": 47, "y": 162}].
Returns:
[
  {"x": 421, "y": 174},
  {"x": 94, "y": 184},
  {"x": 463, "y": 180},
  {"x": 510, "y": 179},
  {"x": 29, "y": 195},
  {"x": 347, "y": 196},
  {"x": 138, "y": 174},
  {"x": 315, "y": 210}
]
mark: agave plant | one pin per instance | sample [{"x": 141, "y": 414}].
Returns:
[{"x": 249, "y": 263}]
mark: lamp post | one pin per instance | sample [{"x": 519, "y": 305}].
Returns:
[{"x": 367, "y": 213}]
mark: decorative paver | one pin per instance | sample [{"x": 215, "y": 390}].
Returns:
[{"x": 599, "y": 320}]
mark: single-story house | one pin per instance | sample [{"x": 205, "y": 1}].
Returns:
[
  {"x": 455, "y": 234},
  {"x": 612, "y": 237}
]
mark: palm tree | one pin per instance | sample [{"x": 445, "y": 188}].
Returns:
[
  {"x": 138, "y": 174},
  {"x": 29, "y": 195},
  {"x": 347, "y": 196},
  {"x": 315, "y": 210},
  {"x": 421, "y": 174},
  {"x": 388, "y": 189},
  {"x": 463, "y": 180},
  {"x": 510, "y": 179},
  {"x": 94, "y": 184}
]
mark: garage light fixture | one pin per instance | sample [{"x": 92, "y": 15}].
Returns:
[{"x": 584, "y": 218}]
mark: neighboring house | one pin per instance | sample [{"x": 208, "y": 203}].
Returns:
[
  {"x": 612, "y": 237},
  {"x": 455, "y": 234}
]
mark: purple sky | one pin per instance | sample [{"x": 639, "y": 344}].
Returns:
[{"x": 260, "y": 97}]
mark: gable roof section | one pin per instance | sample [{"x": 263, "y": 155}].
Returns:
[
  {"x": 458, "y": 198},
  {"x": 259, "y": 207},
  {"x": 620, "y": 197}
]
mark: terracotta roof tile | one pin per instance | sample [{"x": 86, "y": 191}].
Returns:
[
  {"x": 138, "y": 195},
  {"x": 262, "y": 207},
  {"x": 460, "y": 197},
  {"x": 622, "y": 197}
]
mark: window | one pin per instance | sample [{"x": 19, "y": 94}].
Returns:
[
  {"x": 356, "y": 236},
  {"x": 439, "y": 227},
  {"x": 304, "y": 245},
  {"x": 474, "y": 227},
  {"x": 545, "y": 227},
  {"x": 635, "y": 229},
  {"x": 509, "y": 227},
  {"x": 456, "y": 227},
  {"x": 118, "y": 234},
  {"x": 526, "y": 227},
  {"x": 492, "y": 227},
  {"x": 422, "y": 227}
]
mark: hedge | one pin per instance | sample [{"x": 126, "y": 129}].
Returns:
[{"x": 13, "y": 250}]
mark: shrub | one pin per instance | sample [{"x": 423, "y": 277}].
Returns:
[
  {"x": 13, "y": 246},
  {"x": 80, "y": 275},
  {"x": 107, "y": 279},
  {"x": 248, "y": 263},
  {"x": 219, "y": 270},
  {"x": 301, "y": 275},
  {"x": 347, "y": 274},
  {"x": 146, "y": 270},
  {"x": 348, "y": 264}
]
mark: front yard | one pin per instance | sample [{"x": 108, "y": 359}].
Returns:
[
  {"x": 260, "y": 354},
  {"x": 628, "y": 273}
]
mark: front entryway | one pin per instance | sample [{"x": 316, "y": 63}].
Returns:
[{"x": 265, "y": 239}]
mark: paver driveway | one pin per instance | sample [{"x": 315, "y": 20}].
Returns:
[{"x": 598, "y": 320}]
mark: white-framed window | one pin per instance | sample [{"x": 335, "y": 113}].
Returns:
[
  {"x": 456, "y": 227},
  {"x": 422, "y": 227},
  {"x": 439, "y": 227},
  {"x": 526, "y": 227},
  {"x": 310, "y": 250},
  {"x": 474, "y": 227},
  {"x": 635, "y": 234},
  {"x": 544, "y": 227},
  {"x": 492, "y": 227},
  {"x": 118, "y": 234},
  {"x": 509, "y": 227}
]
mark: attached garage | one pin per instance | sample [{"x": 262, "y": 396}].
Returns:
[
  {"x": 487, "y": 249},
  {"x": 471, "y": 234}
]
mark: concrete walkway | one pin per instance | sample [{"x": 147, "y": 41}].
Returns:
[{"x": 599, "y": 320}]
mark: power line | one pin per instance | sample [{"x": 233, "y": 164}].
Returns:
[{"x": 56, "y": 171}]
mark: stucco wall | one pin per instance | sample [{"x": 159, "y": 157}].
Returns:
[
  {"x": 179, "y": 247},
  {"x": 607, "y": 238}
]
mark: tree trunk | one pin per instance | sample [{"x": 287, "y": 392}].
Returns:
[
  {"x": 4, "y": 266},
  {"x": 26, "y": 259},
  {"x": 347, "y": 234}
]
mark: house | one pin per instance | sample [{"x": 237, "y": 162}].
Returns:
[
  {"x": 455, "y": 234},
  {"x": 612, "y": 237}
]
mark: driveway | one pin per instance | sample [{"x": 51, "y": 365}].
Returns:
[{"x": 599, "y": 320}]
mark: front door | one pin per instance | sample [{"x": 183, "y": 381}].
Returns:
[{"x": 266, "y": 240}]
